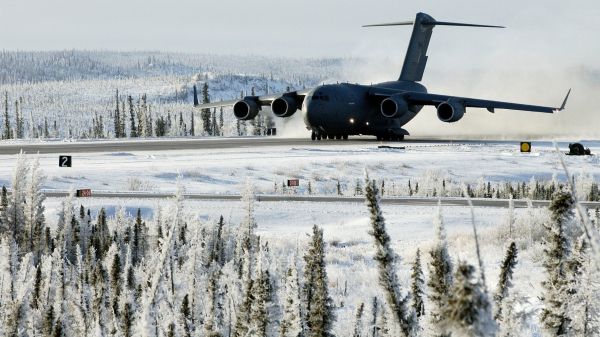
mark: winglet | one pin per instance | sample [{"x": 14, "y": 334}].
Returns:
[{"x": 562, "y": 107}]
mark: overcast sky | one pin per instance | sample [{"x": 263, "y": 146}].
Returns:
[
  {"x": 565, "y": 30},
  {"x": 549, "y": 45}
]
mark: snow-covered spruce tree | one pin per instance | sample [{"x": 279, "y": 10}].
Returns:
[
  {"x": 246, "y": 238},
  {"x": 16, "y": 200},
  {"x": 205, "y": 112},
  {"x": 505, "y": 279},
  {"x": 261, "y": 315},
  {"x": 583, "y": 293},
  {"x": 34, "y": 207},
  {"x": 139, "y": 244},
  {"x": 440, "y": 273},
  {"x": 468, "y": 312},
  {"x": 374, "y": 314},
  {"x": 418, "y": 286},
  {"x": 358, "y": 321},
  {"x": 386, "y": 264},
  {"x": 213, "y": 310},
  {"x": 7, "y": 134},
  {"x": 554, "y": 317},
  {"x": 242, "y": 323},
  {"x": 318, "y": 304},
  {"x": 133, "y": 130},
  {"x": 4, "y": 227},
  {"x": 291, "y": 324}
]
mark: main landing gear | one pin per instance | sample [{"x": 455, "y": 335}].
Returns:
[
  {"x": 319, "y": 136},
  {"x": 391, "y": 138}
]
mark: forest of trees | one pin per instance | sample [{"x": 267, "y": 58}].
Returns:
[
  {"x": 134, "y": 118},
  {"x": 175, "y": 275},
  {"x": 431, "y": 184},
  {"x": 91, "y": 94}
]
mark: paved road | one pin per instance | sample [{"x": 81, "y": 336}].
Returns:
[
  {"x": 207, "y": 143},
  {"x": 498, "y": 203}
]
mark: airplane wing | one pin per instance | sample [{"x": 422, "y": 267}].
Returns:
[
  {"x": 265, "y": 100},
  {"x": 419, "y": 98}
]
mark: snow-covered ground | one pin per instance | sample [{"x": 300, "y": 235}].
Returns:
[
  {"x": 286, "y": 225},
  {"x": 224, "y": 170}
]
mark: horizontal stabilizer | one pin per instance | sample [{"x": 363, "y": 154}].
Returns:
[
  {"x": 431, "y": 23},
  {"x": 440, "y": 23},
  {"x": 403, "y": 23}
]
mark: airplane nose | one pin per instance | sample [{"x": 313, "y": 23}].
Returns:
[{"x": 313, "y": 111}]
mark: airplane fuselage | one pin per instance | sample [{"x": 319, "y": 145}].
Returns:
[{"x": 349, "y": 109}]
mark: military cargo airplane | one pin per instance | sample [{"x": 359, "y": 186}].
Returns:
[{"x": 338, "y": 110}]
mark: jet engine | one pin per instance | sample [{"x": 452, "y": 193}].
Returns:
[
  {"x": 450, "y": 111},
  {"x": 393, "y": 107},
  {"x": 284, "y": 106},
  {"x": 245, "y": 109}
]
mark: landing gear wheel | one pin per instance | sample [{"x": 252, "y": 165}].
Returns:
[
  {"x": 338, "y": 137},
  {"x": 318, "y": 136},
  {"x": 330, "y": 136},
  {"x": 400, "y": 138},
  {"x": 313, "y": 136},
  {"x": 345, "y": 137}
]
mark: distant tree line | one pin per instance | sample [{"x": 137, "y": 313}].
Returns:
[{"x": 535, "y": 189}]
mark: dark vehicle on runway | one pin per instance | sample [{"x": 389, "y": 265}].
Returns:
[{"x": 338, "y": 110}]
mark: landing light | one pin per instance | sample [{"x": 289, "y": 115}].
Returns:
[
  {"x": 367, "y": 123},
  {"x": 351, "y": 120}
]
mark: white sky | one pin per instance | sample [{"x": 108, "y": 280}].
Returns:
[{"x": 544, "y": 30}]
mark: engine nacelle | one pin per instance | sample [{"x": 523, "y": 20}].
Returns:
[
  {"x": 245, "y": 109},
  {"x": 284, "y": 106},
  {"x": 450, "y": 111},
  {"x": 393, "y": 107}
]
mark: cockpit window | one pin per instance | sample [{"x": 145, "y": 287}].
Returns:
[{"x": 320, "y": 96}]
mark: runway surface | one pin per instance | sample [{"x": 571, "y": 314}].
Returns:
[
  {"x": 210, "y": 143},
  {"x": 414, "y": 201}
]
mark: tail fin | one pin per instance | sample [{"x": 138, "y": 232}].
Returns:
[{"x": 416, "y": 55}]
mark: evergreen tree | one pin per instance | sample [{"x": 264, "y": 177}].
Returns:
[
  {"x": 4, "y": 226},
  {"x": 221, "y": 122},
  {"x": 117, "y": 117},
  {"x": 140, "y": 241},
  {"x": 46, "y": 131},
  {"x": 205, "y": 113},
  {"x": 244, "y": 311},
  {"x": 319, "y": 306},
  {"x": 358, "y": 323},
  {"x": 133, "y": 133},
  {"x": 17, "y": 199},
  {"x": 186, "y": 316},
  {"x": 214, "y": 126},
  {"x": 291, "y": 324},
  {"x": 504, "y": 282},
  {"x": 260, "y": 316},
  {"x": 7, "y": 128},
  {"x": 555, "y": 317},
  {"x": 192, "y": 126},
  {"x": 468, "y": 312},
  {"x": 386, "y": 263},
  {"x": 418, "y": 286},
  {"x": 440, "y": 273},
  {"x": 34, "y": 207},
  {"x": 115, "y": 279},
  {"x": 122, "y": 120}
]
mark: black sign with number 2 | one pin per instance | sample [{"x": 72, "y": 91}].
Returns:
[{"x": 64, "y": 161}]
